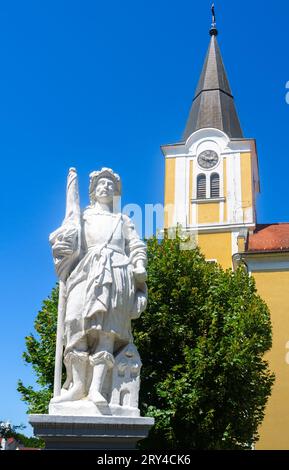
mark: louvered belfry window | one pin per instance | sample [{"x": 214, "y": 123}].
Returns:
[
  {"x": 215, "y": 185},
  {"x": 201, "y": 187}
]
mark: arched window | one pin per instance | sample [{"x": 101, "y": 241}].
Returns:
[
  {"x": 201, "y": 187},
  {"x": 215, "y": 185}
]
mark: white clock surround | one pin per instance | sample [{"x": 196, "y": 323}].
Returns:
[{"x": 229, "y": 152}]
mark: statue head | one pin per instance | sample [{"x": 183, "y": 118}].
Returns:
[{"x": 104, "y": 185}]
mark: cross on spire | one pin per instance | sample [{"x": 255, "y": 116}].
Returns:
[{"x": 213, "y": 30}]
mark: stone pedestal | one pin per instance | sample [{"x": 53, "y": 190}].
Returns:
[{"x": 90, "y": 432}]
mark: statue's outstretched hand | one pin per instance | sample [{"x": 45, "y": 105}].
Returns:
[{"x": 140, "y": 304}]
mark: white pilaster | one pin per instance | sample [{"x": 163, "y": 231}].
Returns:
[{"x": 180, "y": 192}]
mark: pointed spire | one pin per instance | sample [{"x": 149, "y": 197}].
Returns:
[{"x": 213, "y": 104}]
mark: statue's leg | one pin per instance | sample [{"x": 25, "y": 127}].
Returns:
[
  {"x": 101, "y": 361},
  {"x": 76, "y": 362}
]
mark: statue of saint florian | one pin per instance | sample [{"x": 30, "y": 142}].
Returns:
[{"x": 100, "y": 261}]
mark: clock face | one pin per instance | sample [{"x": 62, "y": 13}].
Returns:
[{"x": 208, "y": 159}]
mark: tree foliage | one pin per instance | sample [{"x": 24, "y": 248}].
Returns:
[
  {"x": 8, "y": 430},
  {"x": 202, "y": 341},
  {"x": 40, "y": 352}
]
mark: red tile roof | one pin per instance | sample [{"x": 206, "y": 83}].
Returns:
[{"x": 271, "y": 237}]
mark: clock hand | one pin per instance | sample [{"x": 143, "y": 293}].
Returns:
[{"x": 208, "y": 158}]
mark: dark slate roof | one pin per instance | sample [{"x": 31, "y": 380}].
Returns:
[{"x": 213, "y": 104}]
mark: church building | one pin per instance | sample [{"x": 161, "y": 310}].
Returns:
[{"x": 211, "y": 186}]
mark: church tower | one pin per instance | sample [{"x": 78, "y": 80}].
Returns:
[
  {"x": 211, "y": 174},
  {"x": 211, "y": 185}
]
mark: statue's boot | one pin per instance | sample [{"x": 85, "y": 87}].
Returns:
[
  {"x": 101, "y": 363},
  {"x": 76, "y": 362}
]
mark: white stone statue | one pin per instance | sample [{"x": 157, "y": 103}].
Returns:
[{"x": 100, "y": 261}]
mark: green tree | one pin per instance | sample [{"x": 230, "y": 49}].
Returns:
[
  {"x": 8, "y": 430},
  {"x": 40, "y": 351},
  {"x": 32, "y": 442},
  {"x": 202, "y": 341}
]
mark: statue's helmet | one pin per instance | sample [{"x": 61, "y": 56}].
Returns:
[{"x": 103, "y": 173}]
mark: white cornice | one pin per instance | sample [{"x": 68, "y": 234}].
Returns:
[
  {"x": 208, "y": 200},
  {"x": 215, "y": 228},
  {"x": 225, "y": 144},
  {"x": 263, "y": 261}
]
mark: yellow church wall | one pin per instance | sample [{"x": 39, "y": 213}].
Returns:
[
  {"x": 217, "y": 246},
  {"x": 208, "y": 213},
  {"x": 246, "y": 180},
  {"x": 170, "y": 170},
  {"x": 273, "y": 288}
]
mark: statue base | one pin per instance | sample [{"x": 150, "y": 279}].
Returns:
[
  {"x": 88, "y": 408},
  {"x": 90, "y": 432}
]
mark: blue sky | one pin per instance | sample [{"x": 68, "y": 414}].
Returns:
[{"x": 91, "y": 84}]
